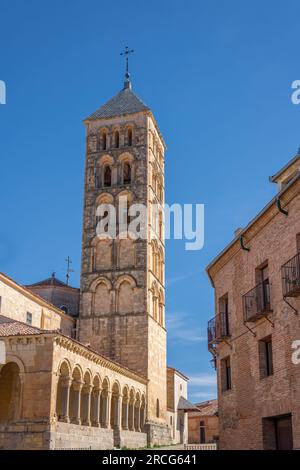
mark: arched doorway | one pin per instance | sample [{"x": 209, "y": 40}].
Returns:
[{"x": 10, "y": 392}]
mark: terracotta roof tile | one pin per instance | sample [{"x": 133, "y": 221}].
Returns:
[{"x": 10, "y": 327}]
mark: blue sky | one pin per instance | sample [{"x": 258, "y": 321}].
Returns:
[{"x": 217, "y": 75}]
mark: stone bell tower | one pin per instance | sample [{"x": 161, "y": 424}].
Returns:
[{"x": 122, "y": 280}]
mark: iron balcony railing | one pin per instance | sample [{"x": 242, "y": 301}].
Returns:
[
  {"x": 218, "y": 328},
  {"x": 290, "y": 274},
  {"x": 256, "y": 302}
]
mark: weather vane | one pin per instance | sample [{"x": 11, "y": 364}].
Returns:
[
  {"x": 126, "y": 54},
  {"x": 69, "y": 270}
]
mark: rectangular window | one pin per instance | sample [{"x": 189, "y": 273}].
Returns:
[
  {"x": 224, "y": 316},
  {"x": 0, "y": 303},
  {"x": 263, "y": 291},
  {"x": 226, "y": 374},
  {"x": 298, "y": 242},
  {"x": 265, "y": 357},
  {"x": 29, "y": 318}
]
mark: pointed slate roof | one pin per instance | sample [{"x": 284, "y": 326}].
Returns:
[{"x": 125, "y": 102}]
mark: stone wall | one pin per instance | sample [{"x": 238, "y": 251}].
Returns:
[
  {"x": 25, "y": 435},
  {"x": 72, "y": 436},
  {"x": 17, "y": 301},
  {"x": 158, "y": 434}
]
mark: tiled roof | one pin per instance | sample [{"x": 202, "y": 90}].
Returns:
[
  {"x": 206, "y": 408},
  {"x": 125, "y": 102},
  {"x": 10, "y": 327},
  {"x": 50, "y": 281}
]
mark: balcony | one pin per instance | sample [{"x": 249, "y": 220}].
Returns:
[
  {"x": 290, "y": 275},
  {"x": 218, "y": 328},
  {"x": 256, "y": 303}
]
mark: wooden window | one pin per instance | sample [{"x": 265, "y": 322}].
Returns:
[
  {"x": 226, "y": 374},
  {"x": 265, "y": 357},
  {"x": 298, "y": 242}
]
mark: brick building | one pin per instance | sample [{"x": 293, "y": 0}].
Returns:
[
  {"x": 203, "y": 423},
  {"x": 257, "y": 285}
]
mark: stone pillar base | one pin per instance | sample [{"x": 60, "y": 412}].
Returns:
[{"x": 157, "y": 433}]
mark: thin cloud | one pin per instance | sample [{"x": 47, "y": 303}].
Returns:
[
  {"x": 176, "y": 326},
  {"x": 203, "y": 395},
  {"x": 175, "y": 279},
  {"x": 203, "y": 380}
]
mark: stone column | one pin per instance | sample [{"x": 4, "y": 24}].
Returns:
[
  {"x": 107, "y": 405},
  {"x": 131, "y": 412},
  {"x": 87, "y": 412},
  {"x": 142, "y": 418},
  {"x": 138, "y": 418},
  {"x": 66, "y": 385},
  {"x": 77, "y": 386},
  {"x": 118, "y": 412},
  {"x": 96, "y": 410},
  {"x": 125, "y": 409}
]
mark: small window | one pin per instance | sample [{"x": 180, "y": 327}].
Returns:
[
  {"x": 171, "y": 420},
  {"x": 298, "y": 242},
  {"x": 107, "y": 176},
  {"x": 129, "y": 137},
  {"x": 29, "y": 318},
  {"x": 117, "y": 139},
  {"x": 226, "y": 374},
  {"x": 126, "y": 173},
  {"x": 0, "y": 303},
  {"x": 64, "y": 308},
  {"x": 157, "y": 408},
  {"x": 181, "y": 387},
  {"x": 104, "y": 140},
  {"x": 265, "y": 357}
]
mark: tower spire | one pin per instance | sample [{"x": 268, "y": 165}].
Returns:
[{"x": 125, "y": 53}]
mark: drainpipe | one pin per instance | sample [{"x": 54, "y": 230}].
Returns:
[{"x": 278, "y": 204}]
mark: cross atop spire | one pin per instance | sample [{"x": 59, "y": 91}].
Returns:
[
  {"x": 125, "y": 53},
  {"x": 69, "y": 270}
]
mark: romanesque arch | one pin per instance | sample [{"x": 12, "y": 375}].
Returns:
[
  {"x": 64, "y": 377},
  {"x": 10, "y": 392},
  {"x": 102, "y": 297},
  {"x": 125, "y": 288}
]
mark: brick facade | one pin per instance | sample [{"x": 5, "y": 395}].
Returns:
[{"x": 258, "y": 384}]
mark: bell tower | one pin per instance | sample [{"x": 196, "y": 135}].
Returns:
[{"x": 122, "y": 314}]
